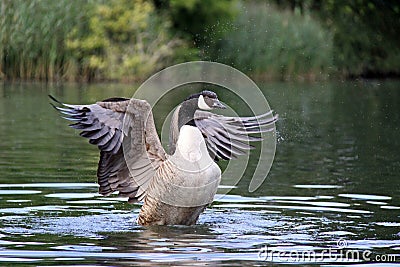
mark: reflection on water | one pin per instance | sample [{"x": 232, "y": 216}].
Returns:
[{"x": 333, "y": 186}]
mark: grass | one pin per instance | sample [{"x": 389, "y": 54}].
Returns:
[{"x": 271, "y": 44}]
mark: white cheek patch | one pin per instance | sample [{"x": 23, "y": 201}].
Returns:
[{"x": 202, "y": 104}]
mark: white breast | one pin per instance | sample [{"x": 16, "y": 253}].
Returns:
[
  {"x": 191, "y": 145},
  {"x": 194, "y": 176}
]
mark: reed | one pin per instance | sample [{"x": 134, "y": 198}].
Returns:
[
  {"x": 273, "y": 44},
  {"x": 32, "y": 35}
]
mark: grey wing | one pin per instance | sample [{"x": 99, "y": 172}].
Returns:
[
  {"x": 143, "y": 151},
  {"x": 102, "y": 124},
  {"x": 228, "y": 137}
]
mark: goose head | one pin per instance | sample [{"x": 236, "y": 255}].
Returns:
[{"x": 206, "y": 100}]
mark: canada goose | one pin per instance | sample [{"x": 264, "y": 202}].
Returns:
[{"x": 175, "y": 187}]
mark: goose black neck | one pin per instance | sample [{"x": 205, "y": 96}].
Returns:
[{"x": 186, "y": 112}]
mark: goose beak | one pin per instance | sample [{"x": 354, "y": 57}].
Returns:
[{"x": 218, "y": 104}]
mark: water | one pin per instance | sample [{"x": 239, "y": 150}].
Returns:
[{"x": 333, "y": 188}]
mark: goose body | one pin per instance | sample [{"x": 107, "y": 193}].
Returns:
[
  {"x": 184, "y": 186},
  {"x": 175, "y": 188}
]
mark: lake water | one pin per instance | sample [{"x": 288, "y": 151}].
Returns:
[{"x": 331, "y": 197}]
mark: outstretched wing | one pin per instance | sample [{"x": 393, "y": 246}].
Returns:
[
  {"x": 228, "y": 137},
  {"x": 102, "y": 123}
]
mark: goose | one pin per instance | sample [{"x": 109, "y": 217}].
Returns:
[{"x": 177, "y": 186}]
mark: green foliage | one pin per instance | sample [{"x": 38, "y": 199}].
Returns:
[
  {"x": 123, "y": 39},
  {"x": 367, "y": 40},
  {"x": 86, "y": 40},
  {"x": 197, "y": 18},
  {"x": 366, "y": 33},
  {"x": 273, "y": 44}
]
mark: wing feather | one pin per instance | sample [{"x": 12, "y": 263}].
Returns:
[
  {"x": 229, "y": 137},
  {"x": 143, "y": 150},
  {"x": 103, "y": 124}
]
